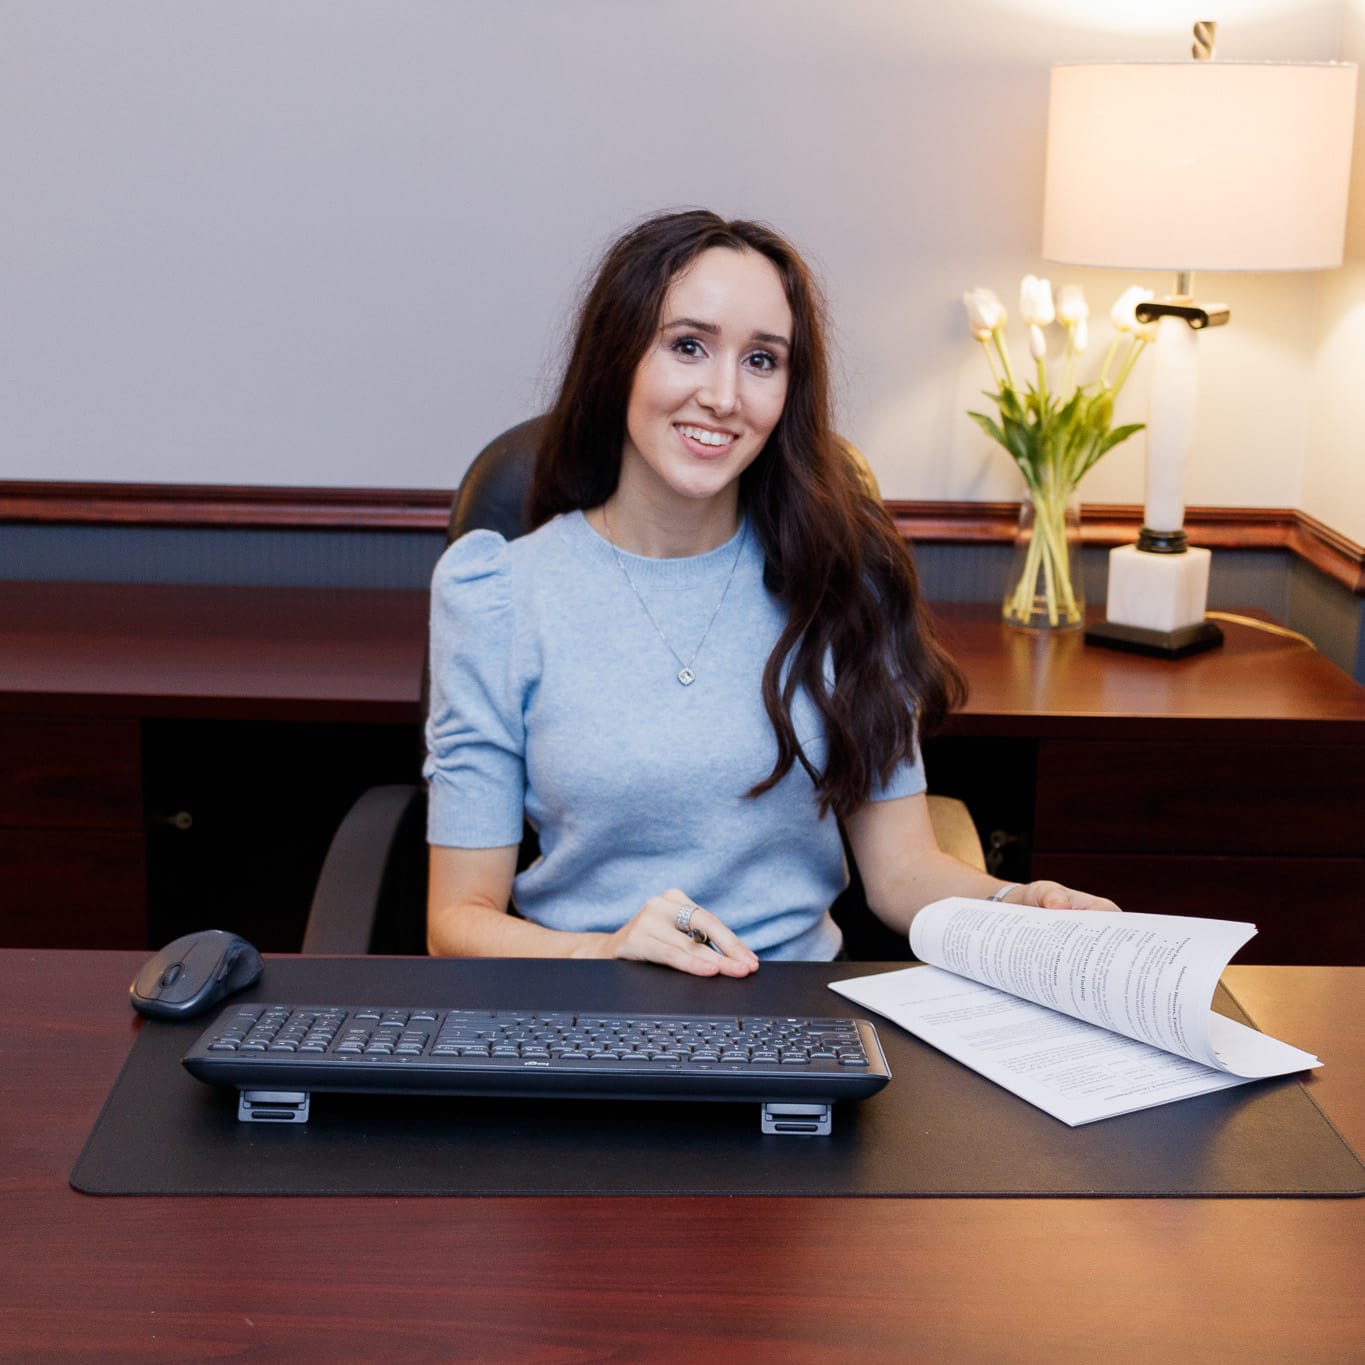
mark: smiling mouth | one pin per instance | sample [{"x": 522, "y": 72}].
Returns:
[{"x": 717, "y": 440}]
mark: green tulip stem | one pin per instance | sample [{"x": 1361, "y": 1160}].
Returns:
[
  {"x": 1046, "y": 559},
  {"x": 1108, "y": 361},
  {"x": 995, "y": 369},
  {"x": 1129, "y": 361},
  {"x": 1041, "y": 388},
  {"x": 1070, "y": 364},
  {"x": 1003, "y": 352}
]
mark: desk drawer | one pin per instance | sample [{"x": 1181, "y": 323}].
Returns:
[
  {"x": 72, "y": 889},
  {"x": 70, "y": 772},
  {"x": 1128, "y": 796}
]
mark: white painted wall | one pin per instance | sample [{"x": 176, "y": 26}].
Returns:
[
  {"x": 336, "y": 242},
  {"x": 1334, "y": 467}
]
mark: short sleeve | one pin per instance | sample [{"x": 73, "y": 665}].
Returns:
[
  {"x": 907, "y": 779},
  {"x": 475, "y": 732}
]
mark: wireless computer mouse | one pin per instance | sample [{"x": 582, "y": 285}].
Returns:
[{"x": 193, "y": 974}]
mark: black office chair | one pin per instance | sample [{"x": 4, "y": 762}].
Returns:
[{"x": 371, "y": 893}]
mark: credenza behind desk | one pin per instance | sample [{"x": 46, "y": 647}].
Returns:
[
  {"x": 639, "y": 1278},
  {"x": 167, "y": 744}
]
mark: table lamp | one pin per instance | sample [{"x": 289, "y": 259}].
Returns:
[{"x": 1190, "y": 166}]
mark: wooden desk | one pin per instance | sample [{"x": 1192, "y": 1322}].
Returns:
[
  {"x": 970, "y": 1280},
  {"x": 182, "y": 748},
  {"x": 1233, "y": 778}
]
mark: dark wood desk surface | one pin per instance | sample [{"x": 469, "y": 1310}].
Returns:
[
  {"x": 1257, "y": 685},
  {"x": 354, "y": 654},
  {"x": 222, "y": 652},
  {"x": 660, "y": 1279}
]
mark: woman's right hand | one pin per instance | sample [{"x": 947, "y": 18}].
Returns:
[
  {"x": 653, "y": 935},
  {"x": 467, "y": 916}
]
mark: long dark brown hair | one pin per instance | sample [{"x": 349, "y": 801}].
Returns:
[{"x": 831, "y": 553}]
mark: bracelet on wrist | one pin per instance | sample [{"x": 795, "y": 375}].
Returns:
[{"x": 1001, "y": 892}]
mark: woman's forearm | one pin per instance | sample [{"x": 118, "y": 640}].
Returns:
[
  {"x": 471, "y": 930},
  {"x": 933, "y": 876},
  {"x": 469, "y": 891}
]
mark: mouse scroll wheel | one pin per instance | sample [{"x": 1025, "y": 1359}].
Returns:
[{"x": 171, "y": 975}]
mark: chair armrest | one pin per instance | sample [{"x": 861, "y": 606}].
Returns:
[
  {"x": 359, "y": 870},
  {"x": 955, "y": 831},
  {"x": 866, "y": 938}
]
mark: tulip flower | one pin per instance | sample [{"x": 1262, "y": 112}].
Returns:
[
  {"x": 1073, "y": 313},
  {"x": 986, "y": 317},
  {"x": 985, "y": 313},
  {"x": 1124, "y": 312},
  {"x": 1124, "y": 317},
  {"x": 1035, "y": 301},
  {"x": 1036, "y": 308},
  {"x": 1071, "y": 305}
]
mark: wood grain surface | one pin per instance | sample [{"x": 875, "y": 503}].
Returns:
[{"x": 962, "y": 1280}]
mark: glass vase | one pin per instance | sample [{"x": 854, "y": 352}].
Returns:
[{"x": 1045, "y": 588}]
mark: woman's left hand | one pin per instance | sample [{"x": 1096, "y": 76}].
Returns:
[{"x": 1055, "y": 896}]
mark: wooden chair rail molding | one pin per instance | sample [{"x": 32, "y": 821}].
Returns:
[{"x": 424, "y": 509}]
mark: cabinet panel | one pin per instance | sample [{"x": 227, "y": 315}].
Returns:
[
  {"x": 241, "y": 813},
  {"x": 1200, "y": 797},
  {"x": 72, "y": 889},
  {"x": 70, "y": 772},
  {"x": 1307, "y": 910}
]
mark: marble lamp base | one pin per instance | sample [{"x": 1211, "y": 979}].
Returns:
[{"x": 1156, "y": 603}]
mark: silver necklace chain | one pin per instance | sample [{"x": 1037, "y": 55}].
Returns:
[{"x": 685, "y": 674}]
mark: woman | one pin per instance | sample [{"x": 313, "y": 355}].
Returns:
[{"x": 709, "y": 654}]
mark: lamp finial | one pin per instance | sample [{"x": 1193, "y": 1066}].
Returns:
[{"x": 1204, "y": 31}]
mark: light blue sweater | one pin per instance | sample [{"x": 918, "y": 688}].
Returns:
[{"x": 553, "y": 696}]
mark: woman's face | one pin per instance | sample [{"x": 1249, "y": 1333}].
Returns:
[{"x": 710, "y": 389}]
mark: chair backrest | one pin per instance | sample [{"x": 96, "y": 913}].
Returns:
[{"x": 492, "y": 494}]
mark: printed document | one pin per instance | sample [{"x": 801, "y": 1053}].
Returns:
[{"x": 1086, "y": 1014}]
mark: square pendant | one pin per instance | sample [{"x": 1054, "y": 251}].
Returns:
[{"x": 686, "y": 677}]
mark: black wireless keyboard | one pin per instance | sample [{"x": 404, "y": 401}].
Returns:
[{"x": 796, "y": 1068}]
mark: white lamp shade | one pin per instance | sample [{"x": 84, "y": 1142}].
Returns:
[{"x": 1199, "y": 165}]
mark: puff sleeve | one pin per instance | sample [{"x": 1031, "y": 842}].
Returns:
[
  {"x": 907, "y": 779},
  {"x": 475, "y": 732}
]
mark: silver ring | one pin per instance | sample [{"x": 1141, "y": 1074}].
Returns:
[{"x": 682, "y": 921}]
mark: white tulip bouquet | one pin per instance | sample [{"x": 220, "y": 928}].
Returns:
[{"x": 1054, "y": 435}]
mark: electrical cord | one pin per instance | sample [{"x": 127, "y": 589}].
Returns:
[{"x": 1269, "y": 627}]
